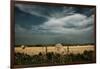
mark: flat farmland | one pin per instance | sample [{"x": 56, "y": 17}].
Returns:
[{"x": 62, "y": 50}]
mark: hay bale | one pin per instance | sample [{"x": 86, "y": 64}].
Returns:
[
  {"x": 59, "y": 48},
  {"x": 23, "y": 46}
]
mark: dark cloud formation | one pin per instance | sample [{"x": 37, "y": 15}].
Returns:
[{"x": 39, "y": 24}]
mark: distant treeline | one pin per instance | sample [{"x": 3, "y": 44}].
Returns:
[{"x": 41, "y": 45}]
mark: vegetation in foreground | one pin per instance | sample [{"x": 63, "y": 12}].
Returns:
[{"x": 53, "y": 58}]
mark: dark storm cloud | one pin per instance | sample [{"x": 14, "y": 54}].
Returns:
[
  {"x": 26, "y": 20},
  {"x": 85, "y": 11},
  {"x": 49, "y": 24}
]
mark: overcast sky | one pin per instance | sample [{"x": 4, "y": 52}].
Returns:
[{"x": 41, "y": 24}]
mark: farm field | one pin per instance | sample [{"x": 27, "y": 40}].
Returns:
[
  {"x": 54, "y": 54},
  {"x": 63, "y": 49}
]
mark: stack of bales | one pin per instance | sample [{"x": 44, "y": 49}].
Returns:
[{"x": 59, "y": 49}]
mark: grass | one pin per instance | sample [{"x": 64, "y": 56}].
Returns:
[{"x": 53, "y": 58}]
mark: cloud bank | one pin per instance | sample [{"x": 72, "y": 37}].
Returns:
[{"x": 65, "y": 23}]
